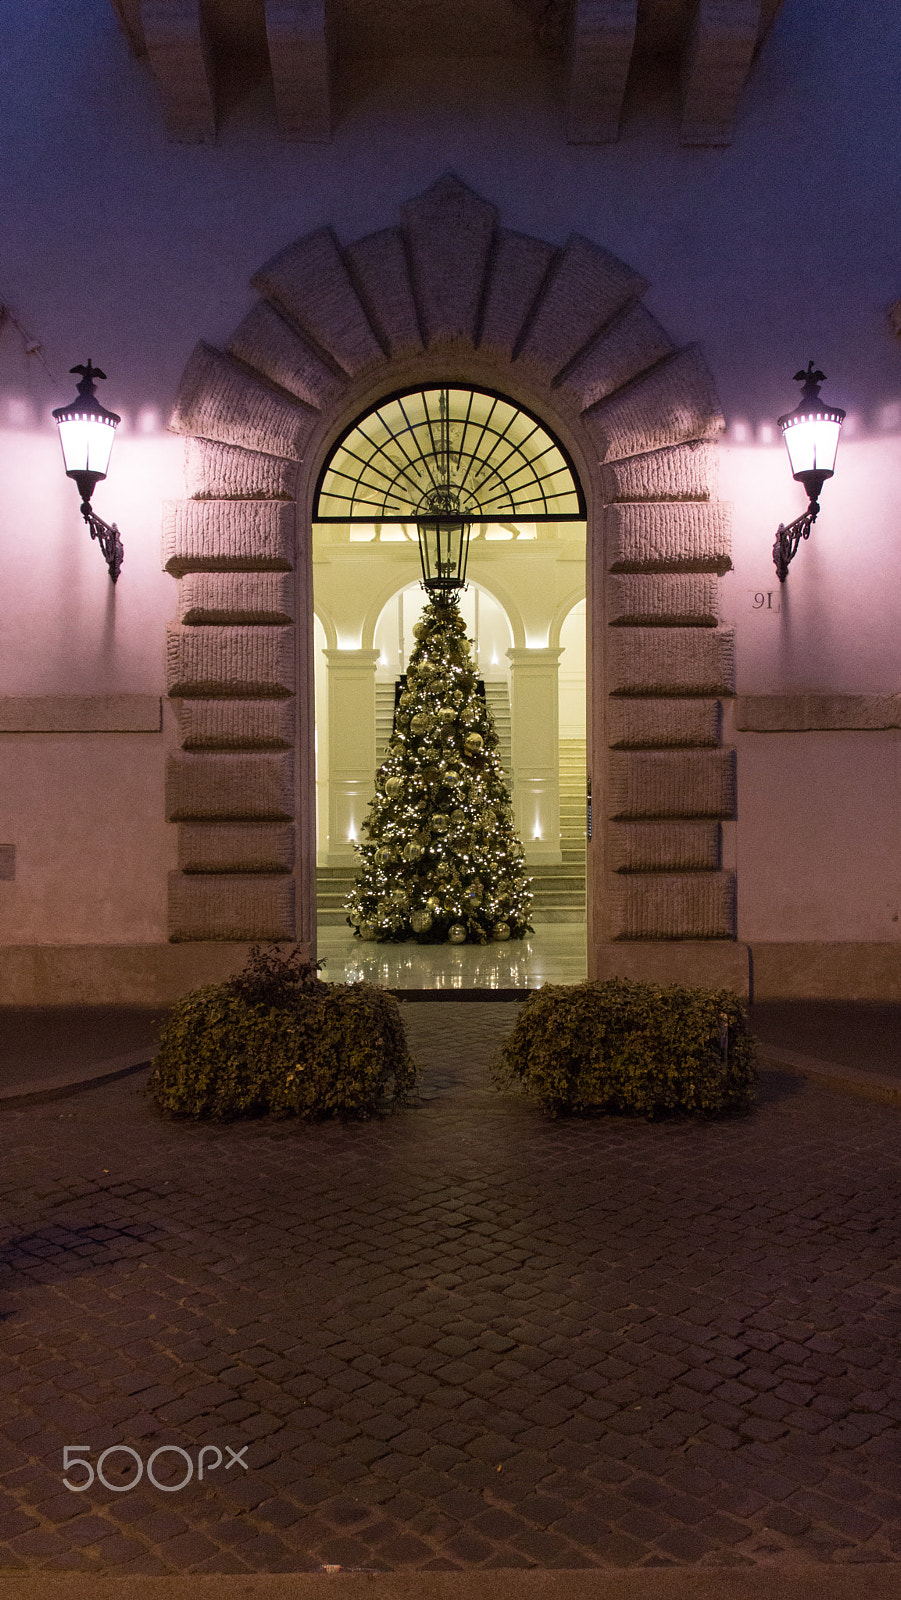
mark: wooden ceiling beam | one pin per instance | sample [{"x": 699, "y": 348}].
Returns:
[
  {"x": 181, "y": 63},
  {"x": 301, "y": 54},
  {"x": 601, "y": 40}
]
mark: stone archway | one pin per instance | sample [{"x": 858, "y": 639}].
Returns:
[{"x": 451, "y": 295}]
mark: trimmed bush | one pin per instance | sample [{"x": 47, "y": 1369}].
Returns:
[
  {"x": 631, "y": 1047},
  {"x": 277, "y": 1039}
]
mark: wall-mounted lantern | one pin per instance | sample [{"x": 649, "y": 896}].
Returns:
[
  {"x": 87, "y": 431},
  {"x": 811, "y": 434}
]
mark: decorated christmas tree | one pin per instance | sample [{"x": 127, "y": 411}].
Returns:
[{"x": 441, "y": 860}]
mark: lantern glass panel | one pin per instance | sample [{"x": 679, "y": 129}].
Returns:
[
  {"x": 812, "y": 443},
  {"x": 87, "y": 442}
]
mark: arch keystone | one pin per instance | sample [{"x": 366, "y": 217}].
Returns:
[{"x": 448, "y": 231}]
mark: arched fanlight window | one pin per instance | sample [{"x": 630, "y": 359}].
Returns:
[{"x": 448, "y": 451}]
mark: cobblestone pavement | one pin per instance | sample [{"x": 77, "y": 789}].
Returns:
[{"x": 463, "y": 1336}]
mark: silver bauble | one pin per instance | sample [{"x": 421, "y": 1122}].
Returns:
[{"x": 412, "y": 851}]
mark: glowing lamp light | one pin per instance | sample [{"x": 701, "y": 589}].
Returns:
[
  {"x": 86, "y": 432},
  {"x": 811, "y": 433}
]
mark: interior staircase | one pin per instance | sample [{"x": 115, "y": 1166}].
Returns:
[{"x": 559, "y": 890}]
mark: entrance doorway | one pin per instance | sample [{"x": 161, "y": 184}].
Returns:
[{"x": 521, "y": 500}]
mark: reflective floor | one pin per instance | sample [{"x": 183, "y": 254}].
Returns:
[{"x": 554, "y": 953}]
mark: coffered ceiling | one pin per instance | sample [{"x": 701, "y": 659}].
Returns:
[{"x": 196, "y": 47}]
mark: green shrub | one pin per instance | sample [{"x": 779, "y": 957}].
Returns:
[
  {"x": 631, "y": 1047},
  {"x": 277, "y": 1039}
]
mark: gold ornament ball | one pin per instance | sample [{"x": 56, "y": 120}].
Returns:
[
  {"x": 458, "y": 816},
  {"x": 400, "y": 898},
  {"x": 443, "y": 870},
  {"x": 440, "y": 822},
  {"x": 419, "y": 630},
  {"x": 406, "y": 700},
  {"x": 412, "y": 851},
  {"x": 446, "y": 714},
  {"x": 473, "y": 743},
  {"x": 500, "y": 932},
  {"x": 433, "y": 903},
  {"x": 421, "y": 723},
  {"x": 394, "y": 787},
  {"x": 456, "y": 933},
  {"x": 421, "y": 921},
  {"x": 368, "y": 931}
]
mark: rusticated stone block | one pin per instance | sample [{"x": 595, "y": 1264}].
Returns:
[
  {"x": 219, "y": 400},
  {"x": 677, "y": 661},
  {"x": 716, "y": 61},
  {"x": 658, "y": 724},
  {"x": 235, "y": 847},
  {"x": 698, "y": 905},
  {"x": 448, "y": 231},
  {"x": 378, "y": 266},
  {"x": 310, "y": 283},
  {"x": 663, "y": 846},
  {"x": 662, "y": 599},
  {"x": 237, "y": 724},
  {"x": 229, "y": 787},
  {"x": 229, "y": 661},
  {"x": 671, "y": 783},
  {"x": 227, "y": 535},
  {"x": 674, "y": 402},
  {"x": 669, "y": 537},
  {"x": 228, "y": 906},
  {"x": 517, "y": 269},
  {"x": 685, "y": 472},
  {"x": 265, "y": 342},
  {"x": 251, "y": 597},
  {"x": 222, "y": 472},
  {"x": 629, "y": 345},
  {"x": 178, "y": 50},
  {"x": 602, "y": 36},
  {"x": 584, "y": 291}
]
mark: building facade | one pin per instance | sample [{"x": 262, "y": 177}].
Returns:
[{"x": 632, "y": 222}]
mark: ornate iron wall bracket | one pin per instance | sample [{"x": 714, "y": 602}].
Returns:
[
  {"x": 107, "y": 536},
  {"x": 788, "y": 538}
]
